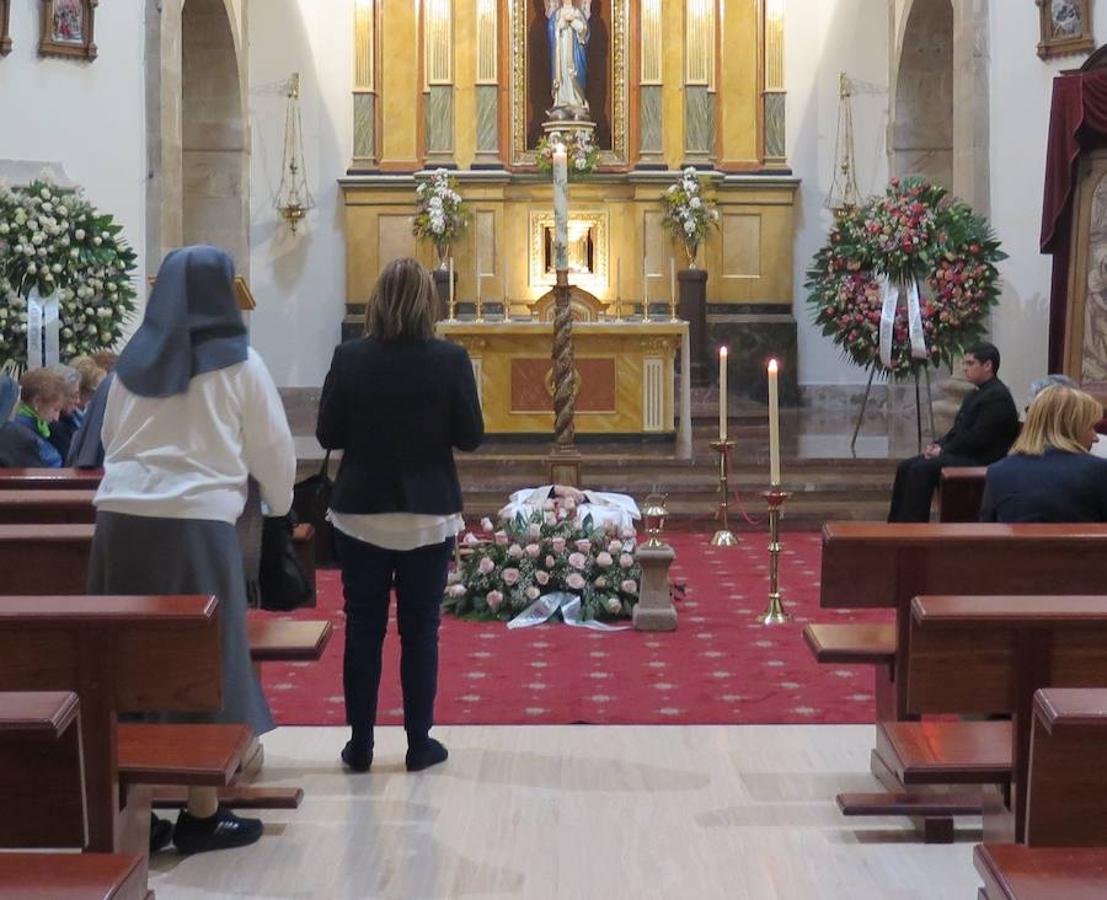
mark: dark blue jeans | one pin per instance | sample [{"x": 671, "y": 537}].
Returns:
[{"x": 369, "y": 574}]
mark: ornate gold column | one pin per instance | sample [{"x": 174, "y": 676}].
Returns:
[
  {"x": 740, "y": 69},
  {"x": 699, "y": 82},
  {"x": 399, "y": 86},
  {"x": 650, "y": 146},
  {"x": 438, "y": 87},
  {"x": 487, "y": 113},
  {"x": 365, "y": 97},
  {"x": 773, "y": 133},
  {"x": 672, "y": 91}
]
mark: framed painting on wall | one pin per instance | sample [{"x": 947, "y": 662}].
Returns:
[
  {"x": 1066, "y": 28},
  {"x": 67, "y": 28},
  {"x": 5, "y": 38}
]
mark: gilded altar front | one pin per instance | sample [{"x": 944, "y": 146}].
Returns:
[{"x": 624, "y": 375}]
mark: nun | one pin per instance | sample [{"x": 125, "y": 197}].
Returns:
[{"x": 192, "y": 414}]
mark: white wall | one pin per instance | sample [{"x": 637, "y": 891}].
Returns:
[
  {"x": 823, "y": 38},
  {"x": 88, "y": 116},
  {"x": 299, "y": 280}
]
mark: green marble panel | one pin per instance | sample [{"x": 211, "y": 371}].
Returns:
[
  {"x": 440, "y": 118},
  {"x": 774, "y": 126},
  {"x": 650, "y": 122},
  {"x": 488, "y": 115},
  {"x": 364, "y": 144},
  {"x": 753, "y": 339},
  {"x": 699, "y": 120}
]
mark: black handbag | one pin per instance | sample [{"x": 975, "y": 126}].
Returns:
[
  {"x": 282, "y": 582},
  {"x": 311, "y": 499}
]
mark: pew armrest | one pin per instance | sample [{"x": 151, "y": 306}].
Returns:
[
  {"x": 1041, "y": 873},
  {"x": 51, "y": 876},
  {"x": 36, "y": 715},
  {"x": 946, "y": 752},
  {"x": 1065, "y": 709},
  {"x": 851, "y": 644},
  {"x": 181, "y": 754}
]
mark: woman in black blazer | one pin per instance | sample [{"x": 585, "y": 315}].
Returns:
[
  {"x": 1050, "y": 475},
  {"x": 397, "y": 403}
]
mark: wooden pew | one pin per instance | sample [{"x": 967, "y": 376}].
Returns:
[
  {"x": 1066, "y": 795},
  {"x": 53, "y": 559},
  {"x": 874, "y": 565},
  {"x": 127, "y": 655},
  {"x": 1016, "y": 872},
  {"x": 43, "y": 786},
  {"x": 50, "y": 479},
  {"x": 976, "y": 656},
  {"x": 57, "y": 505},
  {"x": 960, "y": 493}
]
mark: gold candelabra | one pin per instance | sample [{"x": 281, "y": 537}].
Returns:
[
  {"x": 774, "y": 614},
  {"x": 673, "y": 308},
  {"x": 724, "y": 537}
]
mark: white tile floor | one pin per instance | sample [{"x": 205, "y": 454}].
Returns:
[{"x": 579, "y": 812}]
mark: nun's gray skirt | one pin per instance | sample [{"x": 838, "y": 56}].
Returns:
[{"x": 145, "y": 555}]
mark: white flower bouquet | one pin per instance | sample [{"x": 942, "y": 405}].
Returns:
[
  {"x": 440, "y": 213},
  {"x": 54, "y": 241},
  {"x": 505, "y": 570},
  {"x": 689, "y": 213}
]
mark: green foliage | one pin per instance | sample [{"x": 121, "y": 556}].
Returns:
[
  {"x": 582, "y": 155},
  {"x": 689, "y": 214},
  {"x": 441, "y": 215}
]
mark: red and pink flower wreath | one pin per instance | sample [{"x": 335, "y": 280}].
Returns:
[{"x": 914, "y": 232}]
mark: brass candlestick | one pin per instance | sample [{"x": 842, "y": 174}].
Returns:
[
  {"x": 724, "y": 537},
  {"x": 774, "y": 614},
  {"x": 673, "y": 317}
]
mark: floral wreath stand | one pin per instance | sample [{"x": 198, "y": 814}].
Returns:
[{"x": 918, "y": 409}]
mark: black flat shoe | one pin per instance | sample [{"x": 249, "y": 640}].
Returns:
[
  {"x": 357, "y": 759},
  {"x": 161, "y": 833},
  {"x": 218, "y": 832},
  {"x": 426, "y": 754}
]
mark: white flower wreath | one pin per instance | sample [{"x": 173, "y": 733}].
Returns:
[{"x": 53, "y": 241}]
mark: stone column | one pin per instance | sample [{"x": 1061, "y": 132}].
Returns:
[{"x": 655, "y": 610}]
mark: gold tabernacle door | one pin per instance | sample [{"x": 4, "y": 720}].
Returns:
[{"x": 624, "y": 374}]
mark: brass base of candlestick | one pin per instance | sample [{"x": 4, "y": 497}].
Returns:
[
  {"x": 775, "y": 613},
  {"x": 724, "y": 537}
]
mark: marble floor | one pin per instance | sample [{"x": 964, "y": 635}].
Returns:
[{"x": 579, "y": 812}]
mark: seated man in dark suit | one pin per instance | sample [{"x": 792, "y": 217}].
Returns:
[{"x": 985, "y": 427}]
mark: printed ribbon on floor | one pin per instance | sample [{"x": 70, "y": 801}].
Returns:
[
  {"x": 890, "y": 294},
  {"x": 568, "y": 604},
  {"x": 43, "y": 329}
]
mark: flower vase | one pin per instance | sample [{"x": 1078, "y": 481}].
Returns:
[
  {"x": 692, "y": 250},
  {"x": 442, "y": 248}
]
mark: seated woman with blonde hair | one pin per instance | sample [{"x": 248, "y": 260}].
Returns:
[{"x": 1049, "y": 475}]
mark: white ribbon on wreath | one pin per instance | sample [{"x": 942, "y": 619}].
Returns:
[
  {"x": 890, "y": 295},
  {"x": 569, "y": 605},
  {"x": 43, "y": 329}
]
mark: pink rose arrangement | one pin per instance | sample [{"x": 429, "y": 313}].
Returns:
[
  {"x": 915, "y": 232},
  {"x": 508, "y": 565}
]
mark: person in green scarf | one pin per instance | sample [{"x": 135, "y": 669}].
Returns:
[{"x": 42, "y": 396}]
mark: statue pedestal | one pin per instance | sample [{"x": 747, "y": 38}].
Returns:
[
  {"x": 693, "y": 309},
  {"x": 654, "y": 610}
]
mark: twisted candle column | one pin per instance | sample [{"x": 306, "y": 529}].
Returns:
[{"x": 564, "y": 389}]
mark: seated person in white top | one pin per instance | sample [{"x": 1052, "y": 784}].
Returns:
[{"x": 606, "y": 509}]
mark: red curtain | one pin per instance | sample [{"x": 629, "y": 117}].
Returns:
[{"x": 1077, "y": 123}]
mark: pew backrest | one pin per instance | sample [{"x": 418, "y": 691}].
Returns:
[
  {"x": 47, "y": 507},
  {"x": 960, "y": 493},
  {"x": 49, "y": 479}
]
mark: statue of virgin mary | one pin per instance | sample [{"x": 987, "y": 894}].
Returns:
[{"x": 568, "y": 32}]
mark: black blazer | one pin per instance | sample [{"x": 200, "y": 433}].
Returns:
[
  {"x": 397, "y": 409},
  {"x": 1054, "y": 487},
  {"x": 986, "y": 425}
]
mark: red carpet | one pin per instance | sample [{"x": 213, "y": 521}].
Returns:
[{"x": 718, "y": 667}]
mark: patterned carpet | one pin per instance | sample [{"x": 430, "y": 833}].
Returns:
[{"x": 720, "y": 666}]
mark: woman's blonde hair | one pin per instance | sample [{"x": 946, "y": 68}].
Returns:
[
  {"x": 91, "y": 373},
  {"x": 403, "y": 303},
  {"x": 1058, "y": 418}
]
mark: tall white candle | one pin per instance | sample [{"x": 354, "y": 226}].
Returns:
[
  {"x": 507, "y": 256},
  {"x": 477, "y": 273},
  {"x": 672, "y": 278},
  {"x": 724, "y": 354},
  {"x": 561, "y": 207},
  {"x": 451, "y": 282},
  {"x": 774, "y": 426},
  {"x": 645, "y": 289},
  {"x": 618, "y": 283}
]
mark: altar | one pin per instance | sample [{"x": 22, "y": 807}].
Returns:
[{"x": 625, "y": 376}]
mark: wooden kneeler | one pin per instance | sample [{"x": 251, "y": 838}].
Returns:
[{"x": 978, "y": 656}]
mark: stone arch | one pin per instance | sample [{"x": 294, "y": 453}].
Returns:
[
  {"x": 965, "y": 93},
  {"x": 198, "y": 146},
  {"x": 922, "y": 128}
]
